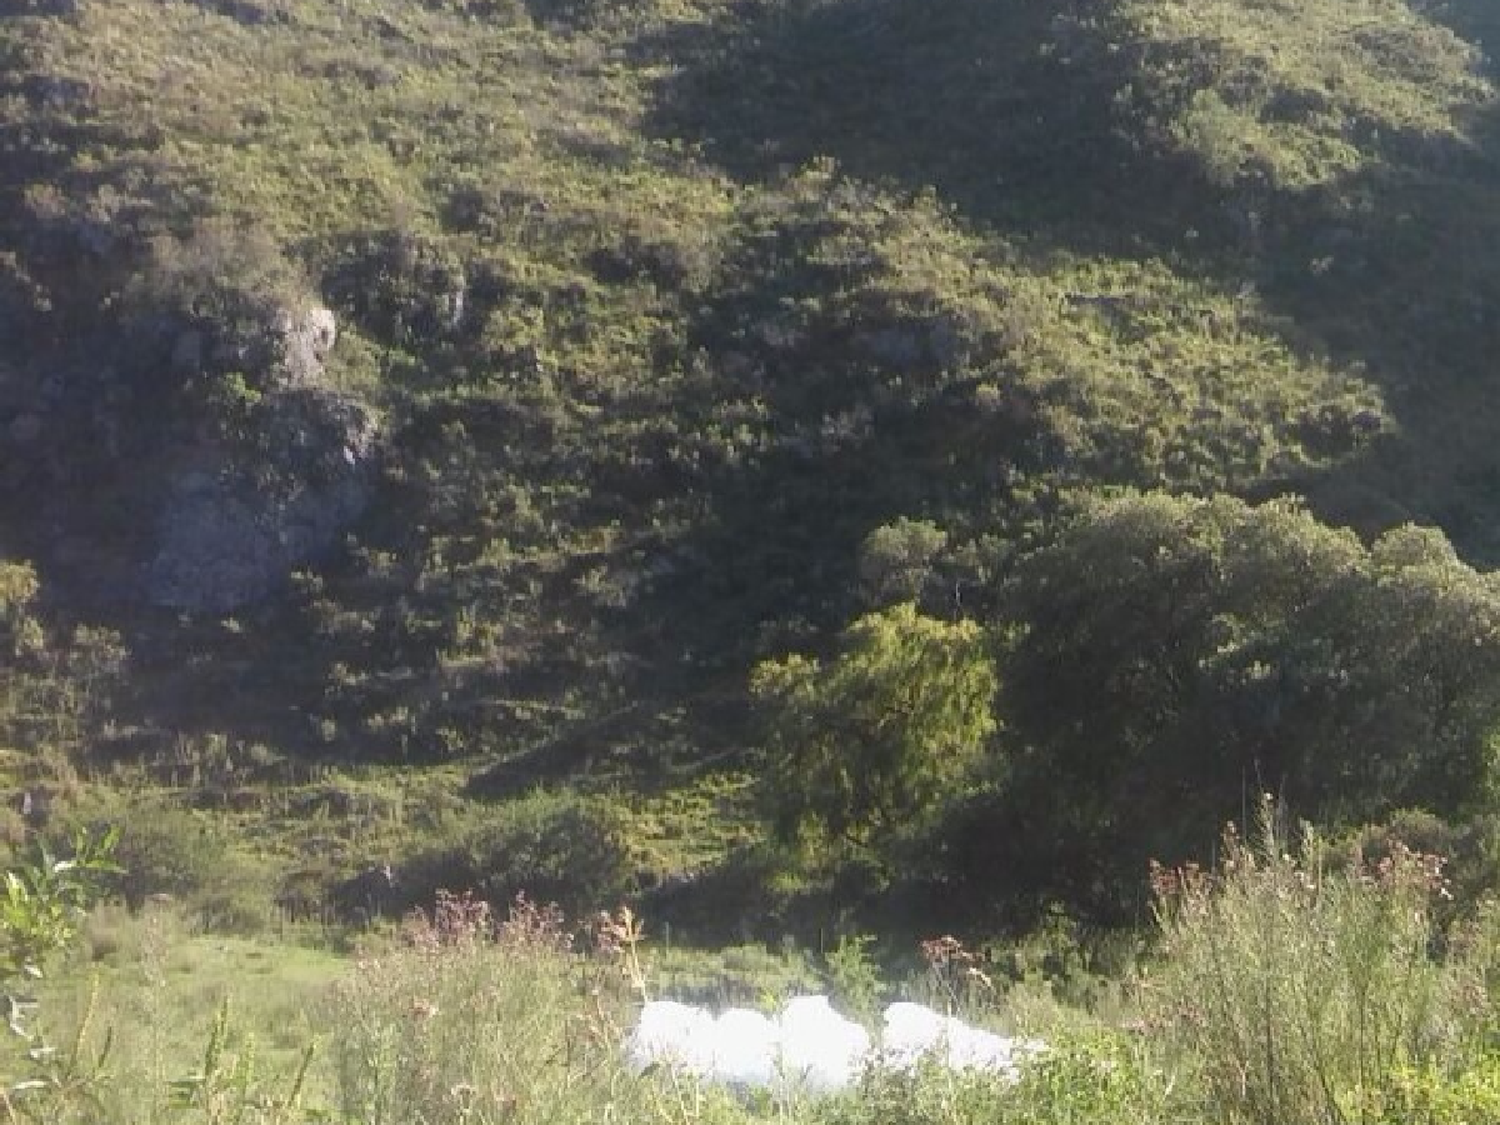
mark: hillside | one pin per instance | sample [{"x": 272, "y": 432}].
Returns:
[{"x": 417, "y": 404}]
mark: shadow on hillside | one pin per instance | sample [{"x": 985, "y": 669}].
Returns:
[
  {"x": 989, "y": 104},
  {"x": 1394, "y": 270},
  {"x": 1017, "y": 114}
]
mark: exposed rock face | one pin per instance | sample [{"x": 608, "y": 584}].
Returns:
[
  {"x": 229, "y": 536},
  {"x": 284, "y": 347},
  {"x": 240, "y": 516},
  {"x": 219, "y": 449},
  {"x": 300, "y": 343}
]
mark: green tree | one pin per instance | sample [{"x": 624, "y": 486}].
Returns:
[
  {"x": 866, "y": 744},
  {"x": 1175, "y": 657},
  {"x": 895, "y": 561}
]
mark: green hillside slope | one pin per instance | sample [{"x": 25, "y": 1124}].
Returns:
[{"x": 645, "y": 320}]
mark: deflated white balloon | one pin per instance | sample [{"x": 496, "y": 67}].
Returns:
[
  {"x": 820, "y": 1049},
  {"x": 912, "y": 1031},
  {"x": 673, "y": 1034},
  {"x": 809, "y": 1045},
  {"x": 747, "y": 1047},
  {"x": 970, "y": 1048}
]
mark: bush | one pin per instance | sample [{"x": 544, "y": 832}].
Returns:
[
  {"x": 929, "y": 1094},
  {"x": 164, "y": 850},
  {"x": 1096, "y": 1079},
  {"x": 1303, "y": 992},
  {"x": 895, "y": 561},
  {"x": 476, "y": 1020},
  {"x": 1433, "y": 1095},
  {"x": 560, "y": 848},
  {"x": 866, "y": 746},
  {"x": 220, "y": 274}
]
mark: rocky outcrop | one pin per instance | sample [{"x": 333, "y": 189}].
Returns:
[
  {"x": 282, "y": 347},
  {"x": 300, "y": 344},
  {"x": 241, "y": 514},
  {"x": 229, "y": 535},
  {"x": 193, "y": 462}
]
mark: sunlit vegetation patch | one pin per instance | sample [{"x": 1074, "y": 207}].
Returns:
[{"x": 686, "y": 339}]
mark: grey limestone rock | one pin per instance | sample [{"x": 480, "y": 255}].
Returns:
[
  {"x": 234, "y": 523},
  {"x": 223, "y": 549},
  {"x": 25, "y": 428},
  {"x": 227, "y": 539},
  {"x": 300, "y": 343}
]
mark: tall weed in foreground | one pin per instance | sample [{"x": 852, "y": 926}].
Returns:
[
  {"x": 479, "y": 1020},
  {"x": 42, "y": 906},
  {"x": 1303, "y": 993},
  {"x": 1098, "y": 1077}
]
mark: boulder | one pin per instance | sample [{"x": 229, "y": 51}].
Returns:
[
  {"x": 300, "y": 343},
  {"x": 228, "y": 536}
]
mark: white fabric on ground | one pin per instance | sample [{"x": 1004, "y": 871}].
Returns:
[{"x": 810, "y": 1046}]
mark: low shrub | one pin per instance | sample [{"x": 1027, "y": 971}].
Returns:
[
  {"x": 165, "y": 850},
  {"x": 477, "y": 1019},
  {"x": 1435, "y": 1095},
  {"x": 559, "y": 848},
  {"x": 1301, "y": 992},
  {"x": 1099, "y": 1078}
]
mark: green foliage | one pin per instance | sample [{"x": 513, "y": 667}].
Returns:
[
  {"x": 227, "y": 1090},
  {"x": 1095, "y": 1079},
  {"x": 1438, "y": 1095},
  {"x": 473, "y": 1020},
  {"x": 41, "y": 912},
  {"x": 219, "y": 275},
  {"x": 171, "y": 851},
  {"x": 179, "y": 1027},
  {"x": 869, "y": 743},
  {"x": 1308, "y": 995},
  {"x": 44, "y": 902},
  {"x": 895, "y": 561},
  {"x": 923, "y": 1095},
  {"x": 698, "y": 328},
  {"x": 1470, "y": 845},
  {"x": 1175, "y": 655},
  {"x": 855, "y": 976},
  {"x": 54, "y": 685},
  {"x": 1100, "y": 1077},
  {"x": 20, "y": 632},
  {"x": 554, "y": 848},
  {"x": 724, "y": 976},
  {"x": 1303, "y": 95}
]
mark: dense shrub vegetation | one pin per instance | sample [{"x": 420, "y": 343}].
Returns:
[{"x": 807, "y": 467}]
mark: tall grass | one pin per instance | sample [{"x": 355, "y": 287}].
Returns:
[
  {"x": 469, "y": 1019},
  {"x": 1304, "y": 992},
  {"x": 1288, "y": 987}
]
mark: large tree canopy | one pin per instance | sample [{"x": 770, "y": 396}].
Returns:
[{"x": 1174, "y": 657}]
